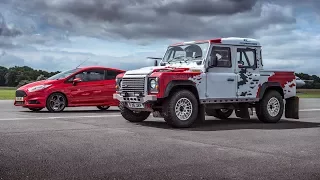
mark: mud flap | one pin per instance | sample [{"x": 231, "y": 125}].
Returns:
[
  {"x": 292, "y": 108},
  {"x": 201, "y": 114},
  {"x": 243, "y": 111}
]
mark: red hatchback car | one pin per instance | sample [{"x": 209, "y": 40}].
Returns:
[{"x": 88, "y": 86}]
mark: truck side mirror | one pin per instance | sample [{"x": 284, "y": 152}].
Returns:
[
  {"x": 213, "y": 61},
  {"x": 240, "y": 64},
  {"x": 155, "y": 60}
]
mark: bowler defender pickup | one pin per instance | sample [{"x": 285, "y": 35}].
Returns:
[{"x": 216, "y": 77}]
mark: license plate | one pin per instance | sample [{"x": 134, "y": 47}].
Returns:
[
  {"x": 135, "y": 105},
  {"x": 19, "y": 98}
]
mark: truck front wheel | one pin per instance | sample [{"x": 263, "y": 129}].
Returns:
[
  {"x": 132, "y": 116},
  {"x": 181, "y": 109},
  {"x": 270, "y": 108}
]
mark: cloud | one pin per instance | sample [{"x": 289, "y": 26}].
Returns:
[
  {"x": 60, "y": 60},
  {"x": 207, "y": 7},
  {"x": 287, "y": 30},
  {"x": 177, "y": 19},
  {"x": 10, "y": 61},
  {"x": 7, "y": 31}
]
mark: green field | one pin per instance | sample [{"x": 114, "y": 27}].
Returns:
[
  {"x": 7, "y": 93},
  {"x": 308, "y": 93}
]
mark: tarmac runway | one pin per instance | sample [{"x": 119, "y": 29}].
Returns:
[{"x": 85, "y": 143}]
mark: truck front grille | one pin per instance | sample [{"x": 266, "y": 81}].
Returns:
[{"x": 132, "y": 85}]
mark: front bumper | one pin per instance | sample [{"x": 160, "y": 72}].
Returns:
[
  {"x": 30, "y": 100},
  {"x": 144, "y": 99}
]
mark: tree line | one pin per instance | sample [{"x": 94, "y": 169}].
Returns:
[
  {"x": 315, "y": 81},
  {"x": 20, "y": 75}
]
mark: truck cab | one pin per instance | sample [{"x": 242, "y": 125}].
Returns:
[{"x": 214, "y": 77}]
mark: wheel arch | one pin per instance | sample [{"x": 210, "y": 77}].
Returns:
[
  {"x": 175, "y": 85},
  {"x": 268, "y": 86}
]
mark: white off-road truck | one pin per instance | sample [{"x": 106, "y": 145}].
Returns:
[{"x": 214, "y": 77}]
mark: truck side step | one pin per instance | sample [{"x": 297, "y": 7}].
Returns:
[{"x": 157, "y": 114}]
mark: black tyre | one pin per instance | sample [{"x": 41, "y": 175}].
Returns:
[
  {"x": 219, "y": 113},
  {"x": 270, "y": 108},
  {"x": 133, "y": 116},
  {"x": 103, "y": 108},
  {"x": 181, "y": 109},
  {"x": 35, "y": 109},
  {"x": 56, "y": 102}
]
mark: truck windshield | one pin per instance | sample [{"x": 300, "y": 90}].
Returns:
[
  {"x": 63, "y": 74},
  {"x": 188, "y": 52}
]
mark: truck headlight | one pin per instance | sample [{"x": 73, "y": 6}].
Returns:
[
  {"x": 118, "y": 83},
  {"x": 153, "y": 85}
]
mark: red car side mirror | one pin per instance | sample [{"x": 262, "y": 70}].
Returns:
[{"x": 76, "y": 80}]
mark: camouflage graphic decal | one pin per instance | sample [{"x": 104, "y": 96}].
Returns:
[
  {"x": 200, "y": 82},
  {"x": 243, "y": 78}
]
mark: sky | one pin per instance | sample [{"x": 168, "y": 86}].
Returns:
[{"x": 60, "y": 34}]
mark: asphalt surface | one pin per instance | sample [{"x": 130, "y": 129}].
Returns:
[{"x": 84, "y": 143}]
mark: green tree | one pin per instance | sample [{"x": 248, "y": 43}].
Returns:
[{"x": 3, "y": 72}]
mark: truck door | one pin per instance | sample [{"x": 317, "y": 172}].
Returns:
[
  {"x": 248, "y": 75},
  {"x": 221, "y": 79}
]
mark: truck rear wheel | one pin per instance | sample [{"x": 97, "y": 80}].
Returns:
[
  {"x": 270, "y": 108},
  {"x": 132, "y": 116},
  {"x": 181, "y": 109},
  {"x": 219, "y": 113}
]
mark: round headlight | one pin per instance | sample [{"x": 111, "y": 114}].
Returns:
[
  {"x": 153, "y": 83},
  {"x": 120, "y": 82}
]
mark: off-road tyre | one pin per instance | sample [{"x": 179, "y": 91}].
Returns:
[
  {"x": 35, "y": 109},
  {"x": 219, "y": 113},
  {"x": 103, "y": 108},
  {"x": 133, "y": 116},
  {"x": 266, "y": 115},
  {"x": 169, "y": 112},
  {"x": 51, "y": 107}
]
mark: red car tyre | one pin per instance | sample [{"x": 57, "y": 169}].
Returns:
[{"x": 56, "y": 102}]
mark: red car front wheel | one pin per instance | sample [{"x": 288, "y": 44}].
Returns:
[{"x": 56, "y": 102}]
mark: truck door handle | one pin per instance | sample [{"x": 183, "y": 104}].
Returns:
[{"x": 230, "y": 79}]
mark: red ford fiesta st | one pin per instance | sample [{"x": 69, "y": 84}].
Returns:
[{"x": 88, "y": 86}]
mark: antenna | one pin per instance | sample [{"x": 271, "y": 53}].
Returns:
[{"x": 82, "y": 62}]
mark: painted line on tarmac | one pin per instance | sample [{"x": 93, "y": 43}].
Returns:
[
  {"x": 304, "y": 110},
  {"x": 59, "y": 117},
  {"x": 309, "y": 110},
  {"x": 101, "y": 116}
]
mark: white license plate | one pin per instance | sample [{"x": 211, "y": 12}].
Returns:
[
  {"x": 135, "y": 105},
  {"x": 19, "y": 98}
]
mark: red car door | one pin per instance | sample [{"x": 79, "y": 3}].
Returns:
[
  {"x": 110, "y": 86},
  {"x": 90, "y": 90}
]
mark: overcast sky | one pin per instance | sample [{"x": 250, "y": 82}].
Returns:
[{"x": 60, "y": 34}]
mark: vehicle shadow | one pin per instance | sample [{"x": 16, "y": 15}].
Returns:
[
  {"x": 236, "y": 124},
  {"x": 73, "y": 111}
]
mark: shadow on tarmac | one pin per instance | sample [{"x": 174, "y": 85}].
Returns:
[
  {"x": 72, "y": 111},
  {"x": 236, "y": 124}
]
